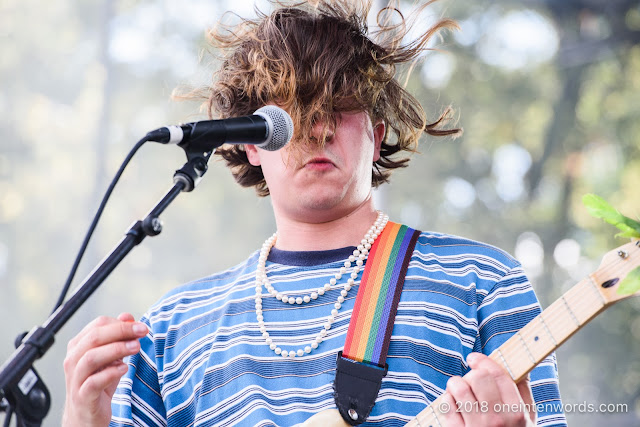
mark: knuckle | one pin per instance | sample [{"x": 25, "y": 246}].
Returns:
[
  {"x": 497, "y": 421},
  {"x": 478, "y": 376},
  {"x": 498, "y": 373},
  {"x": 126, "y": 329},
  {"x": 90, "y": 358},
  {"x": 102, "y": 320},
  {"x": 89, "y": 384},
  {"x": 458, "y": 386},
  {"x": 519, "y": 418},
  {"x": 68, "y": 364},
  {"x": 93, "y": 338}
]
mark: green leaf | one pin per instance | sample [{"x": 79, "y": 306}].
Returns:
[
  {"x": 631, "y": 283},
  {"x": 599, "y": 208}
]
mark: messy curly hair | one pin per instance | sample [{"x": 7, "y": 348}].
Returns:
[{"x": 316, "y": 60}]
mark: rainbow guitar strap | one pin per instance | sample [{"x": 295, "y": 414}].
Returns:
[{"x": 361, "y": 365}]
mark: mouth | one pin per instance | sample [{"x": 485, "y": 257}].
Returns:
[{"x": 320, "y": 164}]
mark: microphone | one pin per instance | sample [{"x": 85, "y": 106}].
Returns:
[{"x": 270, "y": 128}]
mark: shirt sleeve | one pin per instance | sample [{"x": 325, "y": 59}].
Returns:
[
  {"x": 137, "y": 400},
  {"x": 505, "y": 309}
]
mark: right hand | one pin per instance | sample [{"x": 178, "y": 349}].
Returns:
[{"x": 93, "y": 367}]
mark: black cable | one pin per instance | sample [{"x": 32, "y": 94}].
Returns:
[
  {"x": 96, "y": 218},
  {"x": 7, "y": 419}
]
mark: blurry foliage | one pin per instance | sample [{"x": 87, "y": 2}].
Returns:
[{"x": 82, "y": 81}]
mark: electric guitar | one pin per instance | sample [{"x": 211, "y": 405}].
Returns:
[{"x": 545, "y": 333}]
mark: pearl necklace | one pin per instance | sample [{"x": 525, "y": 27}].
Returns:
[{"x": 359, "y": 255}]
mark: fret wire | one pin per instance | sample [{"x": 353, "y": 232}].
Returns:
[
  {"x": 509, "y": 351},
  {"x": 533, "y": 359},
  {"x": 555, "y": 312},
  {"x": 595, "y": 289},
  {"x": 546, "y": 328},
  {"x": 579, "y": 306},
  {"x": 570, "y": 311},
  {"x": 435, "y": 416},
  {"x": 581, "y": 301},
  {"x": 508, "y": 348},
  {"x": 587, "y": 308},
  {"x": 504, "y": 362},
  {"x": 551, "y": 313},
  {"x": 533, "y": 331}
]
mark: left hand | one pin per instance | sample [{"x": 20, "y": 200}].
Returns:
[{"x": 487, "y": 396}]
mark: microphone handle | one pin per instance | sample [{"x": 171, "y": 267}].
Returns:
[{"x": 206, "y": 135}]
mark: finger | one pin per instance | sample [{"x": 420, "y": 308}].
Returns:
[
  {"x": 505, "y": 387},
  {"x": 95, "y": 323},
  {"x": 447, "y": 411},
  {"x": 99, "y": 322},
  {"x": 126, "y": 317},
  {"x": 105, "y": 380},
  {"x": 101, "y": 336},
  {"x": 107, "y": 334},
  {"x": 102, "y": 358},
  {"x": 527, "y": 397},
  {"x": 74, "y": 353},
  {"x": 483, "y": 386},
  {"x": 471, "y": 408}
]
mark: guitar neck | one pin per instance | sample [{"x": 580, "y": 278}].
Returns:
[{"x": 541, "y": 336}]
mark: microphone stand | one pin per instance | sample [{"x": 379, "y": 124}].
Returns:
[{"x": 21, "y": 390}]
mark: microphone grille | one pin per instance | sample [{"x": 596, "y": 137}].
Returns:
[{"x": 281, "y": 130}]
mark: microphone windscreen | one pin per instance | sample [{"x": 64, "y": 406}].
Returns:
[{"x": 281, "y": 127}]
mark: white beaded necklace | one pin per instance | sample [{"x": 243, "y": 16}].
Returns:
[{"x": 359, "y": 255}]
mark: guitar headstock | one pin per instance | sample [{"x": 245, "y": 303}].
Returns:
[{"x": 615, "y": 266}]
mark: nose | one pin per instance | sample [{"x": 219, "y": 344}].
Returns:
[{"x": 321, "y": 133}]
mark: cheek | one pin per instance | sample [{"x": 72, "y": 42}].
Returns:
[
  {"x": 273, "y": 167},
  {"x": 367, "y": 155}
]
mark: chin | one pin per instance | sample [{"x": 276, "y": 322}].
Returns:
[{"x": 321, "y": 204}]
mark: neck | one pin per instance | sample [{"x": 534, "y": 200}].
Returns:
[{"x": 338, "y": 231}]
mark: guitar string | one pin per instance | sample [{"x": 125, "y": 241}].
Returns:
[
  {"x": 584, "y": 307},
  {"x": 553, "y": 314},
  {"x": 576, "y": 303},
  {"x": 558, "y": 319}
]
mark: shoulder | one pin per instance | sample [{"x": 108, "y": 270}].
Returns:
[
  {"x": 447, "y": 246},
  {"x": 465, "y": 261},
  {"x": 451, "y": 245},
  {"x": 207, "y": 290}
]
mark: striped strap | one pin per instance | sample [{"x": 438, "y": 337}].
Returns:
[
  {"x": 361, "y": 365},
  {"x": 379, "y": 293}
]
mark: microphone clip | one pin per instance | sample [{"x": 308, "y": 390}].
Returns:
[{"x": 191, "y": 173}]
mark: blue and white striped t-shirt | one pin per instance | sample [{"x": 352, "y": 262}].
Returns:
[{"x": 205, "y": 362}]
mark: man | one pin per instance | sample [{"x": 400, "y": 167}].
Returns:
[{"x": 257, "y": 344}]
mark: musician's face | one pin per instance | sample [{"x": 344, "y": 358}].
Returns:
[{"x": 317, "y": 184}]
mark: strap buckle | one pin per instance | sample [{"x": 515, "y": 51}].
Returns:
[{"x": 356, "y": 388}]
